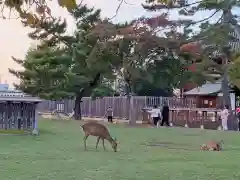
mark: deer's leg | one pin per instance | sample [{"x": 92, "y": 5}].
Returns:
[
  {"x": 97, "y": 142},
  {"x": 84, "y": 139},
  {"x": 103, "y": 144}
]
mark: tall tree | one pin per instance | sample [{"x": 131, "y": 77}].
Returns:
[
  {"x": 216, "y": 39},
  {"x": 168, "y": 74},
  {"x": 137, "y": 45},
  {"x": 66, "y": 66}
]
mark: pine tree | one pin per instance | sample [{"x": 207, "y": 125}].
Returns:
[
  {"x": 66, "y": 66},
  {"x": 43, "y": 73}
]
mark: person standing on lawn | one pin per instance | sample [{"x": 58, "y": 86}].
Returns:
[
  {"x": 109, "y": 113},
  {"x": 165, "y": 115},
  {"x": 155, "y": 114},
  {"x": 238, "y": 117},
  {"x": 224, "y": 117}
]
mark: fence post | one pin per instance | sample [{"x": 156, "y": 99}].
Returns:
[
  {"x": 132, "y": 121},
  {"x": 90, "y": 108},
  {"x": 202, "y": 121},
  {"x": 186, "y": 123},
  {"x": 145, "y": 100}
]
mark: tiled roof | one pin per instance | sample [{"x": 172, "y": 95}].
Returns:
[{"x": 206, "y": 89}]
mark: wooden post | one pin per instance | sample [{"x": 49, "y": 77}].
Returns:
[
  {"x": 187, "y": 116},
  {"x": 2, "y": 114},
  {"x": 202, "y": 121},
  {"x": 6, "y": 115},
  {"x": 171, "y": 117}
]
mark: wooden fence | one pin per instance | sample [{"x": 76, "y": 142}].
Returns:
[
  {"x": 120, "y": 105},
  {"x": 196, "y": 118},
  {"x": 183, "y": 111}
]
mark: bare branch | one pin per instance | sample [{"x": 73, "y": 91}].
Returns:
[
  {"x": 128, "y": 3},
  {"x": 118, "y": 8},
  {"x": 205, "y": 19}
]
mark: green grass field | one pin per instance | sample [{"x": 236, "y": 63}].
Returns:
[{"x": 58, "y": 154}]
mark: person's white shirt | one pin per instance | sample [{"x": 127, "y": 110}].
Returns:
[
  {"x": 224, "y": 114},
  {"x": 155, "y": 112},
  {"x": 224, "y": 117}
]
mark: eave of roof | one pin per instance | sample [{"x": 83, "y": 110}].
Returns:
[{"x": 17, "y": 96}]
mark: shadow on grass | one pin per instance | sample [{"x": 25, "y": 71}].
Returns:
[
  {"x": 91, "y": 149},
  {"x": 46, "y": 132},
  {"x": 170, "y": 145},
  {"x": 178, "y": 146}
]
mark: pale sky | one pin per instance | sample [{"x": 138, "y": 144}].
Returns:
[{"x": 14, "y": 40}]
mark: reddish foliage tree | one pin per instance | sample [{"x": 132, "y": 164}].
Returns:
[
  {"x": 159, "y": 21},
  {"x": 192, "y": 48},
  {"x": 192, "y": 67},
  {"x": 189, "y": 86}
]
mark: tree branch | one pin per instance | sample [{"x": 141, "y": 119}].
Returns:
[
  {"x": 205, "y": 19},
  {"x": 165, "y": 6},
  {"x": 118, "y": 8}
]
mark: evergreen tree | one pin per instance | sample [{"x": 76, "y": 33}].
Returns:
[
  {"x": 43, "y": 73},
  {"x": 66, "y": 66}
]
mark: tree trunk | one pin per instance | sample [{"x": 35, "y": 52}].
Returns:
[
  {"x": 232, "y": 122},
  {"x": 227, "y": 101},
  {"x": 132, "y": 120},
  {"x": 77, "y": 108},
  {"x": 227, "y": 19},
  {"x": 128, "y": 94}
]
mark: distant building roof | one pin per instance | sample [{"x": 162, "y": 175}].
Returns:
[
  {"x": 4, "y": 87},
  {"x": 17, "y": 96},
  {"x": 206, "y": 89}
]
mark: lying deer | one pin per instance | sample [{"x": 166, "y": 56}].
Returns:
[
  {"x": 212, "y": 146},
  {"x": 101, "y": 132}
]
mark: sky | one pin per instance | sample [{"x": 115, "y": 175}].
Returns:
[{"x": 15, "y": 42}]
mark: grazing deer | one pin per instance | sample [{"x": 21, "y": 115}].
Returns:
[
  {"x": 101, "y": 132},
  {"x": 212, "y": 146}
]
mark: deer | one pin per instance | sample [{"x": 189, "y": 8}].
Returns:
[
  {"x": 212, "y": 146},
  {"x": 101, "y": 132}
]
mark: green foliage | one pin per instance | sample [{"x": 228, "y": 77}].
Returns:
[
  {"x": 166, "y": 74},
  {"x": 43, "y": 73},
  {"x": 65, "y": 66},
  {"x": 218, "y": 38},
  {"x": 139, "y": 54},
  {"x": 103, "y": 90},
  {"x": 77, "y": 65},
  {"x": 234, "y": 72}
]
